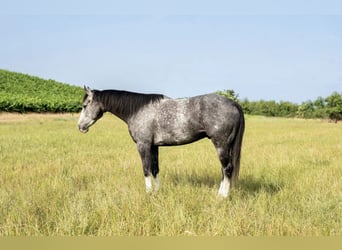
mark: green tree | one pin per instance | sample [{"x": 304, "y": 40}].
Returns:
[
  {"x": 334, "y": 106},
  {"x": 305, "y": 110},
  {"x": 287, "y": 109},
  {"x": 229, "y": 93},
  {"x": 246, "y": 106},
  {"x": 320, "y": 108},
  {"x": 319, "y": 103}
]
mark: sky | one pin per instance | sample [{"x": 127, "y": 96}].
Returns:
[{"x": 270, "y": 50}]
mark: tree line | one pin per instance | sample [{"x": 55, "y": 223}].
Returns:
[{"x": 329, "y": 107}]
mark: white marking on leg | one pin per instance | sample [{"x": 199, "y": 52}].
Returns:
[
  {"x": 148, "y": 184},
  {"x": 224, "y": 187},
  {"x": 157, "y": 183}
]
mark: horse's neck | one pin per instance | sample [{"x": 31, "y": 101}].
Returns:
[
  {"x": 125, "y": 104},
  {"x": 114, "y": 107}
]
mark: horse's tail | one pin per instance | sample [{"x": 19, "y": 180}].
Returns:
[{"x": 235, "y": 151}]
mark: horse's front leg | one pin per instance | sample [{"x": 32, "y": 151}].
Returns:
[
  {"x": 155, "y": 166},
  {"x": 146, "y": 158}
]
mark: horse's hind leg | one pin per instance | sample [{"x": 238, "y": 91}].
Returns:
[{"x": 226, "y": 167}]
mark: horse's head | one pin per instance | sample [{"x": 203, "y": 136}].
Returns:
[{"x": 92, "y": 110}]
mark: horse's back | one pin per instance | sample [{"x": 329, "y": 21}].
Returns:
[
  {"x": 210, "y": 113},
  {"x": 202, "y": 110}
]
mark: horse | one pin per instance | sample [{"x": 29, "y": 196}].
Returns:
[{"x": 156, "y": 120}]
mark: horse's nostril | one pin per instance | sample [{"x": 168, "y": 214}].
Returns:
[{"x": 83, "y": 130}]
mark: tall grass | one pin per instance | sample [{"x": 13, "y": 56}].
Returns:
[{"x": 57, "y": 181}]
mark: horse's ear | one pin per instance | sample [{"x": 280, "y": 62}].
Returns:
[{"x": 87, "y": 89}]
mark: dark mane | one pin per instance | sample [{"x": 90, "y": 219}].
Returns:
[{"x": 124, "y": 104}]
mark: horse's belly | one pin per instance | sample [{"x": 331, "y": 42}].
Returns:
[{"x": 177, "y": 137}]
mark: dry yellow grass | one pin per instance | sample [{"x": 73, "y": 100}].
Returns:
[{"x": 57, "y": 181}]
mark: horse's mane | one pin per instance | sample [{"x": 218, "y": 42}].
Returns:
[{"x": 124, "y": 103}]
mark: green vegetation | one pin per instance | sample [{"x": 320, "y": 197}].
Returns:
[
  {"x": 322, "y": 108},
  {"x": 25, "y": 93},
  {"x": 57, "y": 181}
]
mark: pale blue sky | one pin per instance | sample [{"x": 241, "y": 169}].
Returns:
[{"x": 273, "y": 50}]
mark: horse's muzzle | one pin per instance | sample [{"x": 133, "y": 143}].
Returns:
[{"x": 83, "y": 130}]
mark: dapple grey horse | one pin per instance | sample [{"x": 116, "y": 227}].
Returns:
[{"x": 156, "y": 120}]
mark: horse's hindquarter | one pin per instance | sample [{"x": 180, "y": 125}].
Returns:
[{"x": 219, "y": 112}]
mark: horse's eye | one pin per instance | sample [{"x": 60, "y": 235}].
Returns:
[{"x": 84, "y": 106}]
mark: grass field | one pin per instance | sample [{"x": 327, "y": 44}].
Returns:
[{"x": 56, "y": 181}]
